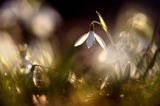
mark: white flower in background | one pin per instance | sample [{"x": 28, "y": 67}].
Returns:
[
  {"x": 141, "y": 22},
  {"x": 28, "y": 65},
  {"x": 42, "y": 53},
  {"x": 44, "y": 22},
  {"x": 118, "y": 58},
  {"x": 9, "y": 53},
  {"x": 90, "y": 38},
  {"x": 21, "y": 9}
]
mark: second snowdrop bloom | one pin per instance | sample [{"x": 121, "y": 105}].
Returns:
[{"x": 90, "y": 37}]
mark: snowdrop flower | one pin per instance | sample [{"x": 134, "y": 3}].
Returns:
[
  {"x": 91, "y": 35},
  {"x": 90, "y": 38}
]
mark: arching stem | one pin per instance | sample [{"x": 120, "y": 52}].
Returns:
[
  {"x": 110, "y": 38},
  {"x": 91, "y": 28}
]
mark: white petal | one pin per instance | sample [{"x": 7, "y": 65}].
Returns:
[
  {"x": 90, "y": 39},
  {"x": 100, "y": 41},
  {"x": 81, "y": 39}
]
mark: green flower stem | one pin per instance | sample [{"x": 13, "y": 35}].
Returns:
[
  {"x": 91, "y": 27},
  {"x": 110, "y": 38}
]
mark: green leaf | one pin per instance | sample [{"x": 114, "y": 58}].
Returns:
[{"x": 102, "y": 21}]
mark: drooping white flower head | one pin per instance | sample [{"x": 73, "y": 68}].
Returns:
[{"x": 90, "y": 38}]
